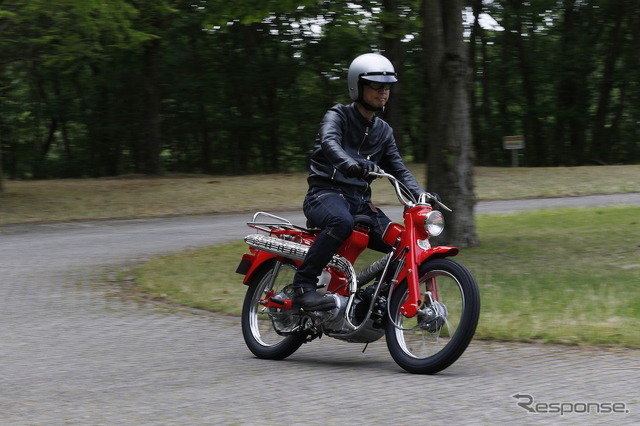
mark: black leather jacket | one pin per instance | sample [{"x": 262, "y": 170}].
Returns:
[{"x": 345, "y": 136}]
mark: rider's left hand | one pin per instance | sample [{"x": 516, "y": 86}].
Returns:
[
  {"x": 370, "y": 167},
  {"x": 430, "y": 196},
  {"x": 362, "y": 169}
]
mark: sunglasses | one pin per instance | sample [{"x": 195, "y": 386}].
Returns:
[{"x": 378, "y": 86}]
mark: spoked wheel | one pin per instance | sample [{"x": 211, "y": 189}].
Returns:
[
  {"x": 259, "y": 323},
  {"x": 435, "y": 338}
]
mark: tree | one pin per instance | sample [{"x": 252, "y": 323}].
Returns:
[
  {"x": 391, "y": 44},
  {"x": 450, "y": 158},
  {"x": 154, "y": 18},
  {"x": 46, "y": 49},
  {"x": 94, "y": 88},
  {"x": 1, "y": 177},
  {"x": 623, "y": 14}
]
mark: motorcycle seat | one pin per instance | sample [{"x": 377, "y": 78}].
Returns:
[
  {"x": 360, "y": 220},
  {"x": 363, "y": 221}
]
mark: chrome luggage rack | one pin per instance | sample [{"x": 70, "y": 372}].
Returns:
[{"x": 276, "y": 223}]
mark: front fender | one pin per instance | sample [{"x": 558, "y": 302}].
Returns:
[
  {"x": 423, "y": 255},
  {"x": 437, "y": 252}
]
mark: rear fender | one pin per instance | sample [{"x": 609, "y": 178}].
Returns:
[{"x": 251, "y": 262}]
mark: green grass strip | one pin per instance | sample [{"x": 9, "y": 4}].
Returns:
[{"x": 569, "y": 276}]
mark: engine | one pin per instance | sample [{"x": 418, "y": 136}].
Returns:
[{"x": 333, "y": 320}]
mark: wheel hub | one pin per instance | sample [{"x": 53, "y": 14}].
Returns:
[{"x": 432, "y": 317}]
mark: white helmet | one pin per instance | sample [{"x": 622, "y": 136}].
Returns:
[{"x": 370, "y": 67}]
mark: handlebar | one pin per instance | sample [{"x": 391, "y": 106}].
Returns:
[{"x": 425, "y": 197}]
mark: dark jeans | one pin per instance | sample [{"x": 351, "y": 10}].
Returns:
[{"x": 333, "y": 210}]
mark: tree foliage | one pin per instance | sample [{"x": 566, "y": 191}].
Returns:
[
  {"x": 94, "y": 88},
  {"x": 563, "y": 74}
]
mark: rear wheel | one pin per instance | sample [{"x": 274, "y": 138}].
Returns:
[
  {"x": 259, "y": 323},
  {"x": 435, "y": 338}
]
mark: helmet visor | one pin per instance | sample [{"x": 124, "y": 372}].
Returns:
[{"x": 380, "y": 77}]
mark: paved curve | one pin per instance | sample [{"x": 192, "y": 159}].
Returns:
[{"x": 74, "y": 352}]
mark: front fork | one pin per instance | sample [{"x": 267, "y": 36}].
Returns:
[
  {"x": 414, "y": 298},
  {"x": 414, "y": 257},
  {"x": 432, "y": 289}
]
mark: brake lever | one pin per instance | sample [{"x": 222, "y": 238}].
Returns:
[
  {"x": 379, "y": 175},
  {"x": 433, "y": 198}
]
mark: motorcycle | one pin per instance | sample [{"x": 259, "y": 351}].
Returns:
[{"x": 425, "y": 304}]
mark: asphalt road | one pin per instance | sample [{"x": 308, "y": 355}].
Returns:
[{"x": 73, "y": 351}]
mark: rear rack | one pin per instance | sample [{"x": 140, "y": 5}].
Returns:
[{"x": 276, "y": 223}]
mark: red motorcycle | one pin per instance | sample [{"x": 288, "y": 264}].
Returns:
[{"x": 426, "y": 304}]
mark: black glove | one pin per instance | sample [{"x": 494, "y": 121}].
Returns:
[{"x": 362, "y": 169}]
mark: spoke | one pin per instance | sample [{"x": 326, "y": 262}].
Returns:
[
  {"x": 424, "y": 344},
  {"x": 449, "y": 327},
  {"x": 417, "y": 339}
]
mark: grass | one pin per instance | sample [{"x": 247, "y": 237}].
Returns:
[
  {"x": 202, "y": 278},
  {"x": 560, "y": 276},
  {"x": 565, "y": 276},
  {"x": 136, "y": 196}
]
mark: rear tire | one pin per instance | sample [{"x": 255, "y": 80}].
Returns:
[
  {"x": 257, "y": 321},
  {"x": 437, "y": 336}
]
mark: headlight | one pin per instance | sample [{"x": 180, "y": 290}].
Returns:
[{"x": 434, "y": 223}]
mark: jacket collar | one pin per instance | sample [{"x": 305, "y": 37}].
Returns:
[{"x": 354, "y": 111}]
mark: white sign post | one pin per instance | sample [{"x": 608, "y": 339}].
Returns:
[{"x": 513, "y": 143}]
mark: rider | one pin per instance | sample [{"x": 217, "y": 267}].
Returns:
[{"x": 351, "y": 143}]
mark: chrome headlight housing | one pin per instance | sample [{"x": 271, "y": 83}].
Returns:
[{"x": 434, "y": 223}]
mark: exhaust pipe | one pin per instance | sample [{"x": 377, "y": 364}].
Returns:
[
  {"x": 284, "y": 248},
  {"x": 297, "y": 251}
]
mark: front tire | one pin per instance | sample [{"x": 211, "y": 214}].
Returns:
[
  {"x": 258, "y": 327},
  {"x": 437, "y": 336}
]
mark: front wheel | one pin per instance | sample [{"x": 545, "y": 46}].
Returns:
[
  {"x": 270, "y": 333},
  {"x": 440, "y": 332}
]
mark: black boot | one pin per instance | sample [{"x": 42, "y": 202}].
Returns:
[{"x": 311, "y": 300}]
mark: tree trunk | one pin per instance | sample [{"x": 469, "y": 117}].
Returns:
[
  {"x": 450, "y": 162},
  {"x": 600, "y": 145},
  {"x": 1, "y": 177},
  {"x": 391, "y": 44},
  {"x": 151, "y": 139},
  {"x": 532, "y": 131},
  {"x": 202, "y": 132},
  {"x": 572, "y": 75}
]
